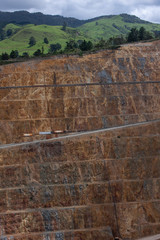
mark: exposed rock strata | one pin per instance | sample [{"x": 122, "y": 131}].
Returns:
[
  {"x": 75, "y": 108},
  {"x": 94, "y": 186}
]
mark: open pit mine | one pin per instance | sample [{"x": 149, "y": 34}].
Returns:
[{"x": 80, "y": 146}]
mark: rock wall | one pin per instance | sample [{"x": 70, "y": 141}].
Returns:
[
  {"x": 91, "y": 186},
  {"x": 86, "y": 187},
  {"x": 128, "y": 92}
]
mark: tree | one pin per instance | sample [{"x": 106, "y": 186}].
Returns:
[
  {"x": 46, "y": 40},
  {"x": 14, "y": 54},
  {"x": 85, "y": 46},
  {"x": 101, "y": 43},
  {"x": 71, "y": 45},
  {"x": 5, "y": 56},
  {"x": 9, "y": 32},
  {"x": 148, "y": 35},
  {"x": 142, "y": 33},
  {"x": 2, "y": 35},
  {"x": 89, "y": 45},
  {"x": 110, "y": 41},
  {"x": 37, "y": 53},
  {"x": 55, "y": 47},
  {"x": 64, "y": 27},
  {"x": 118, "y": 40},
  {"x": 133, "y": 35},
  {"x": 25, "y": 55},
  {"x": 79, "y": 42},
  {"x": 32, "y": 41},
  {"x": 42, "y": 50}
]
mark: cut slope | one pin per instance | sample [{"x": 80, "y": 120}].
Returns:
[
  {"x": 93, "y": 186},
  {"x": 126, "y": 90}
]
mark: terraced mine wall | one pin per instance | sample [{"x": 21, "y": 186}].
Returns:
[
  {"x": 95, "y": 185},
  {"x": 105, "y": 89}
]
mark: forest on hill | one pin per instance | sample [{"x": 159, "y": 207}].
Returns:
[{"x": 24, "y": 17}]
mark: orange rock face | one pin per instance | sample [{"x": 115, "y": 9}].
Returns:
[
  {"x": 93, "y": 186},
  {"x": 128, "y": 92}
]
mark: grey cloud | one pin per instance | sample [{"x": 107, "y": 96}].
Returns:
[
  {"x": 150, "y": 13},
  {"x": 7, "y": 5},
  {"x": 91, "y": 8}
]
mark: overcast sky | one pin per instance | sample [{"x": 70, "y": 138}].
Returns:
[{"x": 84, "y": 9}]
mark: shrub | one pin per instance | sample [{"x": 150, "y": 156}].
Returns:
[
  {"x": 55, "y": 47},
  {"x": 25, "y": 55},
  {"x": 46, "y": 40},
  {"x": 32, "y": 41},
  {"x": 37, "y": 53},
  {"x": 5, "y": 56},
  {"x": 14, "y": 54},
  {"x": 85, "y": 46}
]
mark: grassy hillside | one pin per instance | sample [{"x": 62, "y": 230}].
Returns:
[
  {"x": 20, "y": 39},
  {"x": 106, "y": 28}
]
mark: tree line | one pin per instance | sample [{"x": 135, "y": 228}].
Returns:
[
  {"x": 139, "y": 35},
  {"x": 71, "y": 46}
]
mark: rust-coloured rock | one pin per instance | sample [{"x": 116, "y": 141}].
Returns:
[
  {"x": 93, "y": 186},
  {"x": 131, "y": 94},
  {"x": 90, "y": 186}
]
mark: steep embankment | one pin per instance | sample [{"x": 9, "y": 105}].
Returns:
[
  {"x": 93, "y": 186},
  {"x": 110, "y": 88}
]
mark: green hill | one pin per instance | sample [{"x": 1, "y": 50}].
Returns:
[
  {"x": 21, "y": 35},
  {"x": 95, "y": 29},
  {"x": 24, "y": 17},
  {"x": 115, "y": 26}
]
